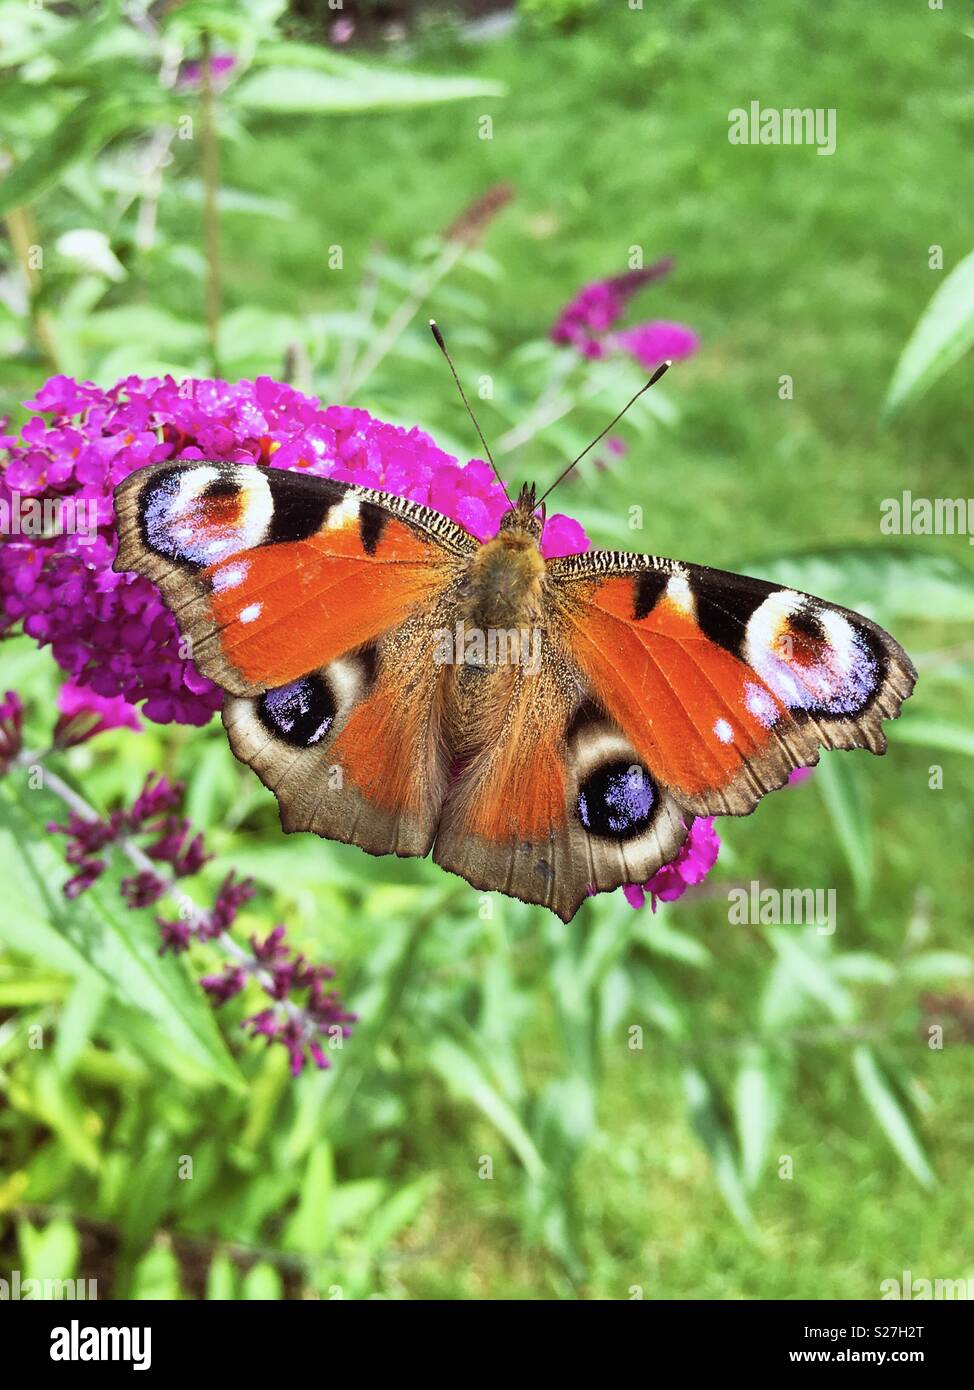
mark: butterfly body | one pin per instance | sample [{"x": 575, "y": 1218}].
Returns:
[{"x": 547, "y": 728}]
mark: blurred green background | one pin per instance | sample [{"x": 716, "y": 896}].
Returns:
[{"x": 507, "y": 1036}]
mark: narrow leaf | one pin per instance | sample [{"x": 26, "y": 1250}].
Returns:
[
  {"x": 371, "y": 89},
  {"x": 943, "y": 334},
  {"x": 882, "y": 1100},
  {"x": 838, "y": 784}
]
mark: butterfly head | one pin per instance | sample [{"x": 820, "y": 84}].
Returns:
[{"x": 525, "y": 515}]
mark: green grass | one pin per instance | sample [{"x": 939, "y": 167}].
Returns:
[{"x": 788, "y": 263}]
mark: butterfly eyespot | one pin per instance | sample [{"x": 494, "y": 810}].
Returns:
[
  {"x": 616, "y": 800},
  {"x": 300, "y": 713},
  {"x": 812, "y": 658},
  {"x": 201, "y": 516}
]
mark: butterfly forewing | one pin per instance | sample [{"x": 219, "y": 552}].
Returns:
[{"x": 725, "y": 683}]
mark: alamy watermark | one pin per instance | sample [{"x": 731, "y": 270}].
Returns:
[
  {"x": 464, "y": 645},
  {"x": 47, "y": 1290},
  {"x": 49, "y": 516},
  {"x": 78, "y": 1343},
  {"x": 755, "y": 906},
  {"x": 788, "y": 125},
  {"x": 907, "y": 515},
  {"x": 907, "y": 1287}
]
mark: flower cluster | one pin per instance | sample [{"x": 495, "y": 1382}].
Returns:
[
  {"x": 180, "y": 932},
  {"x": 88, "y": 837},
  {"x": 588, "y": 320},
  {"x": 285, "y": 975},
  {"x": 111, "y": 632}
]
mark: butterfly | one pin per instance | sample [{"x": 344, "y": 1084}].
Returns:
[{"x": 549, "y": 728}]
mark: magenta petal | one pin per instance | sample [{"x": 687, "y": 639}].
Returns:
[
  {"x": 563, "y": 535},
  {"x": 634, "y": 895},
  {"x": 656, "y": 342}
]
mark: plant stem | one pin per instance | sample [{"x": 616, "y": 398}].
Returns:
[
  {"x": 211, "y": 219},
  {"x": 22, "y": 232},
  {"x": 400, "y": 320},
  {"x": 553, "y": 403}
]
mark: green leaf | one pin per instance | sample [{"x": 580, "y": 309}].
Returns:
[
  {"x": 812, "y": 974},
  {"x": 85, "y": 129},
  {"x": 25, "y": 924},
  {"x": 705, "y": 1116},
  {"x": 221, "y": 1279},
  {"x": 307, "y": 1228},
  {"x": 144, "y": 323},
  {"x": 121, "y": 946},
  {"x": 838, "y": 784},
  {"x": 933, "y": 967},
  {"x": 944, "y": 332},
  {"x": 48, "y": 1253},
  {"x": 287, "y": 89},
  {"x": 157, "y": 1275},
  {"x": 467, "y": 1077},
  {"x": 77, "y": 1022},
  {"x": 126, "y": 950},
  {"x": 239, "y": 26},
  {"x": 28, "y": 31},
  {"x": 884, "y": 583},
  {"x": 882, "y": 1100},
  {"x": 353, "y": 1201},
  {"x": 263, "y": 1283},
  {"x": 399, "y": 1211},
  {"x": 60, "y": 1109},
  {"x": 864, "y": 968},
  {"x": 755, "y": 1111}
]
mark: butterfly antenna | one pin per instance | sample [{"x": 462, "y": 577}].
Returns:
[
  {"x": 434, "y": 328},
  {"x": 660, "y": 371}
]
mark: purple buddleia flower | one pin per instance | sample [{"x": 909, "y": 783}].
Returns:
[
  {"x": 696, "y": 857},
  {"x": 143, "y": 889},
  {"x": 597, "y": 307},
  {"x": 657, "y": 342},
  {"x": 589, "y": 322},
  {"x": 225, "y": 986},
  {"x": 85, "y": 714},
  {"x": 190, "y": 74},
  {"x": 303, "y": 1015}
]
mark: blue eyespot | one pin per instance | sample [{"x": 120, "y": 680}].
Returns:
[
  {"x": 616, "y": 800},
  {"x": 300, "y": 713}
]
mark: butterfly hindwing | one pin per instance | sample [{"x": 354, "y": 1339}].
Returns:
[
  {"x": 725, "y": 684},
  {"x": 353, "y": 751},
  {"x": 556, "y": 804}
]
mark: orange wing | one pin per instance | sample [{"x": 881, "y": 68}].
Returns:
[
  {"x": 273, "y": 574},
  {"x": 724, "y": 684}
]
